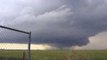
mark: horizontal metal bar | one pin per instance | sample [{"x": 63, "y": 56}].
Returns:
[{"x": 14, "y": 29}]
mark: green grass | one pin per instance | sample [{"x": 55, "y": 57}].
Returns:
[{"x": 56, "y": 55}]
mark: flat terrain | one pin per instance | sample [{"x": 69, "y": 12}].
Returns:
[{"x": 55, "y": 55}]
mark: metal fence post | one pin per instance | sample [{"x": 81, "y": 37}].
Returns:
[{"x": 29, "y": 46}]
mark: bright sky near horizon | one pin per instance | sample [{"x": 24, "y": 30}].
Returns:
[{"x": 14, "y": 46}]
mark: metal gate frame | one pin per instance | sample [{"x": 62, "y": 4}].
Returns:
[{"x": 28, "y": 33}]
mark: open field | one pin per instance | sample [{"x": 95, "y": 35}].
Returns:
[{"x": 56, "y": 55}]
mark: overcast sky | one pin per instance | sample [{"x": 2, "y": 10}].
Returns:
[{"x": 56, "y": 23}]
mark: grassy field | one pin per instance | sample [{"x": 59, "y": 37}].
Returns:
[{"x": 56, "y": 55}]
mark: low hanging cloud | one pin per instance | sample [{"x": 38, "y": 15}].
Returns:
[{"x": 64, "y": 25}]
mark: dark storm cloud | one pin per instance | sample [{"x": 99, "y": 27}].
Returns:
[{"x": 63, "y": 23}]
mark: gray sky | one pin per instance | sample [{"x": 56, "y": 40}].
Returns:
[{"x": 58, "y": 23}]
